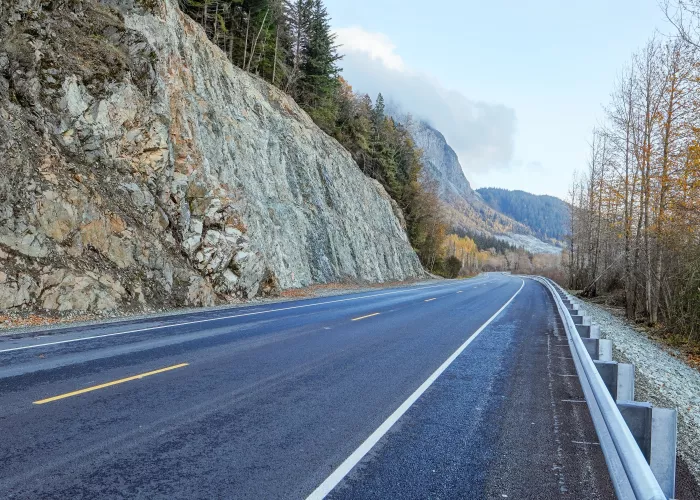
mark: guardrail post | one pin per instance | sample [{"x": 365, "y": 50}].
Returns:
[
  {"x": 588, "y": 331},
  {"x": 638, "y": 419},
  {"x": 625, "y": 382},
  {"x": 605, "y": 350},
  {"x": 584, "y": 331},
  {"x": 654, "y": 429},
  {"x": 608, "y": 372},
  {"x": 579, "y": 319},
  {"x": 663, "y": 449},
  {"x": 591, "y": 347},
  {"x": 618, "y": 378}
]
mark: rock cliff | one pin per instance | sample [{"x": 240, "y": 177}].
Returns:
[
  {"x": 464, "y": 207},
  {"x": 141, "y": 169}
]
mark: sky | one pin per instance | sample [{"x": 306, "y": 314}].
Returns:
[{"x": 516, "y": 87}]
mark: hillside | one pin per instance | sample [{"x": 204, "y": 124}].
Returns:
[
  {"x": 141, "y": 169},
  {"x": 464, "y": 208},
  {"x": 547, "y": 216}
]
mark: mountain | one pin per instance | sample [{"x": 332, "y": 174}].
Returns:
[
  {"x": 547, "y": 216},
  {"x": 465, "y": 208},
  {"x": 140, "y": 169}
]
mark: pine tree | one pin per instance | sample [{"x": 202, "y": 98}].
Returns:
[
  {"x": 378, "y": 111},
  {"x": 319, "y": 81},
  {"x": 297, "y": 20}
]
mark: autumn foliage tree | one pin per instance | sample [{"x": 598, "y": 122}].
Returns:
[{"x": 635, "y": 223}]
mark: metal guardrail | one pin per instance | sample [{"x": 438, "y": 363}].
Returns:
[{"x": 630, "y": 473}]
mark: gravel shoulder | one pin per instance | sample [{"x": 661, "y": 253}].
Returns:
[{"x": 661, "y": 378}]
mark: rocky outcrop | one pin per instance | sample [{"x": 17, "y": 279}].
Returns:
[
  {"x": 464, "y": 207},
  {"x": 141, "y": 169}
]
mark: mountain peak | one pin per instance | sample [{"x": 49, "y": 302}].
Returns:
[{"x": 466, "y": 210}]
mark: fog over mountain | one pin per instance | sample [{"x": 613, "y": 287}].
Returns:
[{"x": 482, "y": 134}]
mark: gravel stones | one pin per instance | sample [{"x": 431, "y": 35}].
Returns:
[{"x": 661, "y": 378}]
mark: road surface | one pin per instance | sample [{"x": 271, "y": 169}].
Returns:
[{"x": 452, "y": 389}]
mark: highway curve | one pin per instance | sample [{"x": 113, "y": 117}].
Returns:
[{"x": 417, "y": 392}]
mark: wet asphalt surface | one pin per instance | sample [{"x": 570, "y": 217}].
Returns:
[{"x": 274, "y": 397}]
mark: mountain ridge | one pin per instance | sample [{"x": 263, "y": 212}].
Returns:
[
  {"x": 464, "y": 207},
  {"x": 548, "y": 216}
]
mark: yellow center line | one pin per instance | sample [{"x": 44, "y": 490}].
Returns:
[
  {"x": 428, "y": 300},
  {"x": 363, "y": 317},
  {"x": 108, "y": 384}
]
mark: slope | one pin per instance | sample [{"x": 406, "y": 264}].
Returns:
[
  {"x": 142, "y": 170},
  {"x": 547, "y": 216},
  {"x": 464, "y": 208}
]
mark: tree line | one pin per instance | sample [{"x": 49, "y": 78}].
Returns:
[
  {"x": 547, "y": 216},
  {"x": 466, "y": 254},
  {"x": 635, "y": 225},
  {"x": 286, "y": 42}
]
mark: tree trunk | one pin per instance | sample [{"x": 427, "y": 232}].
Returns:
[
  {"x": 255, "y": 43},
  {"x": 245, "y": 47},
  {"x": 274, "y": 59}
]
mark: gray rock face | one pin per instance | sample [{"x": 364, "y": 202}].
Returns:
[
  {"x": 440, "y": 161},
  {"x": 143, "y": 169},
  {"x": 465, "y": 207}
]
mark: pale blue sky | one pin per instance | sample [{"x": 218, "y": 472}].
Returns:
[{"x": 552, "y": 63}]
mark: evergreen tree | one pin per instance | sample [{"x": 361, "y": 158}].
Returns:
[
  {"x": 319, "y": 80},
  {"x": 378, "y": 111},
  {"x": 297, "y": 18}
]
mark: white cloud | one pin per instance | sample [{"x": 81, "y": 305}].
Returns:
[
  {"x": 482, "y": 134},
  {"x": 377, "y": 45}
]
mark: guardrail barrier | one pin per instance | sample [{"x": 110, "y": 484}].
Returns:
[{"x": 637, "y": 439}]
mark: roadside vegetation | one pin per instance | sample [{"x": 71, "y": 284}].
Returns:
[{"x": 635, "y": 225}]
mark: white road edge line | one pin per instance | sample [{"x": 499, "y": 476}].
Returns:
[
  {"x": 344, "y": 469},
  {"x": 219, "y": 318}
]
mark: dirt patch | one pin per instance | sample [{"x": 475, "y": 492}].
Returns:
[{"x": 324, "y": 289}]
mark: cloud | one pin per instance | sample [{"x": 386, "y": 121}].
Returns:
[
  {"x": 482, "y": 134},
  {"x": 377, "y": 45},
  {"x": 536, "y": 166}
]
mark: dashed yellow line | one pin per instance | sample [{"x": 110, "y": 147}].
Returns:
[
  {"x": 428, "y": 300},
  {"x": 363, "y": 317},
  {"x": 108, "y": 384}
]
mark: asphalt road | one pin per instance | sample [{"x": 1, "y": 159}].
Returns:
[{"x": 418, "y": 392}]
